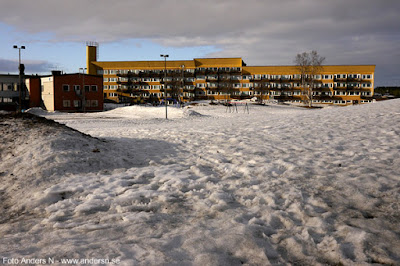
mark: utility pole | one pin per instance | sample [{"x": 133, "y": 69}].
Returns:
[
  {"x": 20, "y": 77},
  {"x": 183, "y": 85},
  {"x": 83, "y": 89},
  {"x": 165, "y": 85}
]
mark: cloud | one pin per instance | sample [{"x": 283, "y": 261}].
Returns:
[
  {"x": 31, "y": 66},
  {"x": 262, "y": 32},
  {"x": 113, "y": 20}
]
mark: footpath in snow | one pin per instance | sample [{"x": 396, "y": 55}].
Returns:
[{"x": 278, "y": 185}]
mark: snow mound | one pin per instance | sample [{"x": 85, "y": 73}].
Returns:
[
  {"x": 36, "y": 152},
  {"x": 147, "y": 112}
]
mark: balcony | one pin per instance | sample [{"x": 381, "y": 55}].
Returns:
[
  {"x": 353, "y": 87},
  {"x": 200, "y": 71},
  {"x": 286, "y": 86},
  {"x": 225, "y": 78},
  {"x": 213, "y": 86},
  {"x": 366, "y": 97},
  {"x": 255, "y": 79},
  {"x": 340, "y": 87},
  {"x": 129, "y": 74},
  {"x": 284, "y": 98},
  {"x": 241, "y": 97},
  {"x": 326, "y": 97},
  {"x": 235, "y": 72},
  {"x": 189, "y": 82},
  {"x": 188, "y": 73},
  {"x": 353, "y": 79},
  {"x": 211, "y": 79},
  {"x": 272, "y": 78},
  {"x": 212, "y": 71}
]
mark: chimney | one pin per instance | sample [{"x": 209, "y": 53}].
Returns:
[{"x": 56, "y": 72}]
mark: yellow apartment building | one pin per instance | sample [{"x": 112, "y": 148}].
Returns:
[{"x": 224, "y": 79}]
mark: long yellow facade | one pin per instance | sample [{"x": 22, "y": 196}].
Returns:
[{"x": 224, "y": 79}]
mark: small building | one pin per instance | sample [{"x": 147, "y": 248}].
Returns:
[
  {"x": 9, "y": 92},
  {"x": 74, "y": 92}
]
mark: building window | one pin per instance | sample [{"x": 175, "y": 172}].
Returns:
[
  {"x": 7, "y": 100},
  {"x": 77, "y": 88},
  {"x": 87, "y": 88},
  {"x": 105, "y": 79},
  {"x": 65, "y": 87},
  {"x": 66, "y": 103},
  {"x": 94, "y": 87},
  {"x": 77, "y": 103},
  {"x": 94, "y": 103}
]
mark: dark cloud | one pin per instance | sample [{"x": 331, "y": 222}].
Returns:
[
  {"x": 262, "y": 32},
  {"x": 8, "y": 66},
  {"x": 31, "y": 67}
]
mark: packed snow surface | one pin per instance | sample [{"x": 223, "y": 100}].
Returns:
[{"x": 209, "y": 186}]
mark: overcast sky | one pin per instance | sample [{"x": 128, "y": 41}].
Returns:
[{"x": 262, "y": 32}]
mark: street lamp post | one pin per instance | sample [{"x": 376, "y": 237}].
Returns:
[
  {"x": 183, "y": 85},
  {"x": 165, "y": 86},
  {"x": 20, "y": 78},
  {"x": 83, "y": 89}
]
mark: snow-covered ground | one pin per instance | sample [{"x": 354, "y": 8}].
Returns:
[{"x": 278, "y": 185}]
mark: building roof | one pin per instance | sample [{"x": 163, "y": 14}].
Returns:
[
  {"x": 218, "y": 62},
  {"x": 326, "y": 69},
  {"x": 173, "y": 64}
]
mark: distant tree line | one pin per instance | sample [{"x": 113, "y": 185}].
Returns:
[{"x": 395, "y": 91}]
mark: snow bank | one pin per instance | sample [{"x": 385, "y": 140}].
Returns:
[{"x": 280, "y": 185}]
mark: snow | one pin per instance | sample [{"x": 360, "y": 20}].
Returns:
[{"x": 278, "y": 185}]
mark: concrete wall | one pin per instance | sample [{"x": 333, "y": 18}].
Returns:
[{"x": 48, "y": 92}]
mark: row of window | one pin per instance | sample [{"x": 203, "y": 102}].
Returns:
[
  {"x": 8, "y": 87},
  {"x": 5, "y": 100},
  {"x": 78, "y": 103},
  {"x": 245, "y": 85},
  {"x": 272, "y": 93},
  {"x": 248, "y": 85},
  {"x": 88, "y": 88},
  {"x": 256, "y": 76},
  {"x": 342, "y": 93},
  {"x": 161, "y": 71}
]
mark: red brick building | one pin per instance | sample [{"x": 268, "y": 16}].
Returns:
[{"x": 67, "y": 92}]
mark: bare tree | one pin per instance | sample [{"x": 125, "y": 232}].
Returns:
[{"x": 309, "y": 65}]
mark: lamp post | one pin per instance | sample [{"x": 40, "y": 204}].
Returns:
[
  {"x": 183, "y": 85},
  {"x": 83, "y": 89},
  {"x": 165, "y": 86},
  {"x": 20, "y": 80}
]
